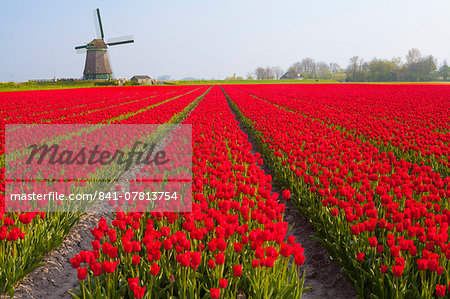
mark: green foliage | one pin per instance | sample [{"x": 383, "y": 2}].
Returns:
[
  {"x": 131, "y": 83},
  {"x": 417, "y": 68},
  {"x": 34, "y": 85},
  {"x": 106, "y": 83}
]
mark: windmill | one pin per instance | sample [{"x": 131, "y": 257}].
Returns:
[{"x": 97, "y": 62}]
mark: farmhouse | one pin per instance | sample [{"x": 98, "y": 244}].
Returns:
[
  {"x": 142, "y": 79},
  {"x": 290, "y": 74}
]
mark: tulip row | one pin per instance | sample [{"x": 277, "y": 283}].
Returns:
[
  {"x": 233, "y": 242},
  {"x": 43, "y": 106},
  {"x": 409, "y": 120},
  {"x": 383, "y": 219},
  {"x": 112, "y": 109},
  {"x": 26, "y": 237}
]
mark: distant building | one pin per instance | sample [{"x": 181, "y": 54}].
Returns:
[
  {"x": 121, "y": 81},
  {"x": 290, "y": 74},
  {"x": 142, "y": 79}
]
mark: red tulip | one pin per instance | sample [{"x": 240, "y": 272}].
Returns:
[
  {"x": 109, "y": 267},
  {"x": 440, "y": 290},
  {"x": 286, "y": 194},
  {"x": 237, "y": 270},
  {"x": 215, "y": 293},
  {"x": 135, "y": 259},
  {"x": 154, "y": 269},
  {"x": 223, "y": 283},
  {"x": 82, "y": 272},
  {"x": 360, "y": 256}
]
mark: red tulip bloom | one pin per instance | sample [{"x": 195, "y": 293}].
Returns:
[
  {"x": 215, "y": 293},
  {"x": 360, "y": 256},
  {"x": 139, "y": 292},
  {"x": 211, "y": 263},
  {"x": 286, "y": 194},
  {"x": 154, "y": 269},
  {"x": 82, "y": 272},
  {"x": 397, "y": 270},
  {"x": 440, "y": 290},
  {"x": 135, "y": 259},
  {"x": 96, "y": 245},
  {"x": 96, "y": 268},
  {"x": 109, "y": 267},
  {"x": 237, "y": 270},
  {"x": 373, "y": 241},
  {"x": 422, "y": 264},
  {"x": 220, "y": 258},
  {"x": 380, "y": 248},
  {"x": 75, "y": 261},
  {"x": 395, "y": 251},
  {"x": 223, "y": 283},
  {"x": 255, "y": 263},
  {"x": 299, "y": 259}
]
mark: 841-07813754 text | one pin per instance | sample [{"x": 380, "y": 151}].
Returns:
[{"x": 151, "y": 195}]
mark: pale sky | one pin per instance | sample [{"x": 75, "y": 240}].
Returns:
[{"x": 211, "y": 38}]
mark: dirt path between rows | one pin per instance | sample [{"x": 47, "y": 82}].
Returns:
[
  {"x": 325, "y": 278},
  {"x": 57, "y": 276}
]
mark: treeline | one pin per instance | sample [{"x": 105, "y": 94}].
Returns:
[
  {"x": 415, "y": 68},
  {"x": 304, "y": 69}
]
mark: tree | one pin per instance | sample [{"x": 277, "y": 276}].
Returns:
[
  {"x": 309, "y": 67},
  {"x": 297, "y": 68},
  {"x": 381, "y": 70},
  {"x": 412, "y": 68},
  {"x": 428, "y": 68},
  {"x": 413, "y": 57},
  {"x": 278, "y": 72},
  {"x": 260, "y": 73},
  {"x": 335, "y": 68},
  {"x": 397, "y": 61},
  {"x": 323, "y": 70},
  {"x": 444, "y": 70},
  {"x": 352, "y": 69},
  {"x": 264, "y": 73},
  {"x": 269, "y": 73},
  {"x": 418, "y": 68},
  {"x": 357, "y": 70}
]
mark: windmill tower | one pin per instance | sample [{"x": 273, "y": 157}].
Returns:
[{"x": 97, "y": 65}]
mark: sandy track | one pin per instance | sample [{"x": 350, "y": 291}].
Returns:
[{"x": 57, "y": 276}]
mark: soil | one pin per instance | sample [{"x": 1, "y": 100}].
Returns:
[{"x": 57, "y": 277}]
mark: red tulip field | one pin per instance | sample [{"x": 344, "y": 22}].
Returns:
[{"x": 368, "y": 166}]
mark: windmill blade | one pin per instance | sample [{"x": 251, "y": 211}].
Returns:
[
  {"x": 120, "y": 40},
  {"x": 80, "y": 47},
  {"x": 98, "y": 24}
]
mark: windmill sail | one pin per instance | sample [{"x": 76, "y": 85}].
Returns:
[
  {"x": 120, "y": 40},
  {"x": 97, "y": 65}
]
